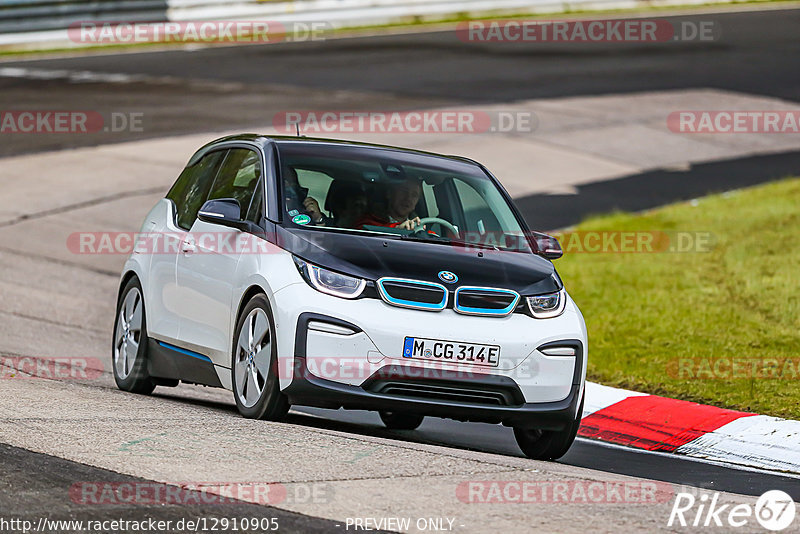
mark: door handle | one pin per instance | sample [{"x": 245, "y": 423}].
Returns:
[{"x": 188, "y": 247}]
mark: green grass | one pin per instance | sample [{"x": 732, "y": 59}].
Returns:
[{"x": 741, "y": 299}]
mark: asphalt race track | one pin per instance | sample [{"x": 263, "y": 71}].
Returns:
[
  {"x": 31, "y": 497},
  {"x": 212, "y": 89}
]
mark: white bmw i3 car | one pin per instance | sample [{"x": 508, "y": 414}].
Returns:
[{"x": 296, "y": 271}]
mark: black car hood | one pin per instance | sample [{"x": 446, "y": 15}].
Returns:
[{"x": 373, "y": 257}]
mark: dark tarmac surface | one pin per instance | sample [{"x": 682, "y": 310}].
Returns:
[{"x": 240, "y": 87}]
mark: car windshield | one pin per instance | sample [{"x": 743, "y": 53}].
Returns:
[{"x": 392, "y": 192}]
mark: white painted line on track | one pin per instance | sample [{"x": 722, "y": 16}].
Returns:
[
  {"x": 760, "y": 440},
  {"x": 87, "y": 76},
  {"x": 599, "y": 396},
  {"x": 80, "y": 76}
]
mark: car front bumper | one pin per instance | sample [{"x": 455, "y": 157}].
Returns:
[
  {"x": 349, "y": 353},
  {"x": 314, "y": 391}
]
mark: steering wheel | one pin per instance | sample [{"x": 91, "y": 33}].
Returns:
[{"x": 444, "y": 223}]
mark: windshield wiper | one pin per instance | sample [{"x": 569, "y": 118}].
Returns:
[
  {"x": 448, "y": 241},
  {"x": 427, "y": 238},
  {"x": 476, "y": 245}
]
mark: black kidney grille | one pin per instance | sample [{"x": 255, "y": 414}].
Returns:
[
  {"x": 485, "y": 301},
  {"x": 413, "y": 293}
]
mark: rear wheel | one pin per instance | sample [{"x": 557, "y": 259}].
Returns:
[
  {"x": 256, "y": 388},
  {"x": 401, "y": 421},
  {"x": 129, "y": 350},
  {"x": 548, "y": 444}
]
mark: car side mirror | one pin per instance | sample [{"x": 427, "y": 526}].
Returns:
[
  {"x": 224, "y": 211},
  {"x": 547, "y": 246}
]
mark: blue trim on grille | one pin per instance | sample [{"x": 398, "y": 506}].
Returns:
[
  {"x": 185, "y": 351},
  {"x": 485, "y": 311},
  {"x": 411, "y": 303}
]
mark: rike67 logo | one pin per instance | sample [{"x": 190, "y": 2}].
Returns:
[{"x": 774, "y": 510}]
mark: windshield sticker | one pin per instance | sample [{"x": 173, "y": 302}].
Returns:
[{"x": 301, "y": 219}]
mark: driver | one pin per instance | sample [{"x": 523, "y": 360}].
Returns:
[{"x": 401, "y": 199}]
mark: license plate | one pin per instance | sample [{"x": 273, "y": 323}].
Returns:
[{"x": 451, "y": 351}]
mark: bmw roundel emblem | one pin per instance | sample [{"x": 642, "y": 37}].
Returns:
[{"x": 447, "y": 277}]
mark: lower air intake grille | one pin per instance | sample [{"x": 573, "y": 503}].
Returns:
[{"x": 452, "y": 393}]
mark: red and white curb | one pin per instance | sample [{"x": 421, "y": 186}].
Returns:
[{"x": 654, "y": 423}]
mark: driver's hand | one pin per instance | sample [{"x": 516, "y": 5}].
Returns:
[
  {"x": 312, "y": 207},
  {"x": 410, "y": 224}
]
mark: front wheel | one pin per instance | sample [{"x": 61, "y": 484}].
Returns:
[
  {"x": 129, "y": 351},
  {"x": 256, "y": 388},
  {"x": 401, "y": 421},
  {"x": 548, "y": 444}
]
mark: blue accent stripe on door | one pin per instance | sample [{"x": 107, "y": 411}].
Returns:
[{"x": 185, "y": 351}]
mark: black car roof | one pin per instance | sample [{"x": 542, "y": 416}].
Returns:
[{"x": 285, "y": 139}]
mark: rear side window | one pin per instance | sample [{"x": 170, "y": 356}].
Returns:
[
  {"x": 191, "y": 188},
  {"x": 240, "y": 178}
]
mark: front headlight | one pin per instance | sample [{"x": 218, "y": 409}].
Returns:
[
  {"x": 549, "y": 305},
  {"x": 338, "y": 285}
]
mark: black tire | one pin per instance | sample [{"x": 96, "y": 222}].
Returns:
[
  {"x": 401, "y": 421},
  {"x": 272, "y": 404},
  {"x": 548, "y": 444},
  {"x": 138, "y": 379}
]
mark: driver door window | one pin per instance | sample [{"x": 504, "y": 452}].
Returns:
[
  {"x": 190, "y": 190},
  {"x": 239, "y": 178}
]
